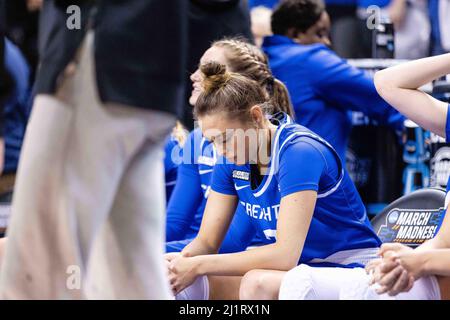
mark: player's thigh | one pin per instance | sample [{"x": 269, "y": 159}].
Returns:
[{"x": 224, "y": 287}]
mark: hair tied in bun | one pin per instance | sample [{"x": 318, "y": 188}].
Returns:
[{"x": 216, "y": 76}]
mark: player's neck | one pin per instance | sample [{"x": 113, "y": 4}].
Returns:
[{"x": 269, "y": 134}]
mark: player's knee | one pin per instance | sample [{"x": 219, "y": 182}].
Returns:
[
  {"x": 297, "y": 284},
  {"x": 255, "y": 286},
  {"x": 199, "y": 290}
]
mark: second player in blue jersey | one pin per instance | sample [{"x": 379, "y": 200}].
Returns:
[{"x": 292, "y": 186}]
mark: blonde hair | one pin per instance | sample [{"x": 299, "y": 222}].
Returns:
[
  {"x": 228, "y": 92},
  {"x": 249, "y": 61}
]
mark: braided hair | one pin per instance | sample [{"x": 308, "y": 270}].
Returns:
[{"x": 249, "y": 61}]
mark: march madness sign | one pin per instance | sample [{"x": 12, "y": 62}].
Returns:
[{"x": 411, "y": 227}]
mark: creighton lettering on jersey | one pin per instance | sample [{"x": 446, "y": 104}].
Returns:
[
  {"x": 340, "y": 232},
  {"x": 257, "y": 212}
]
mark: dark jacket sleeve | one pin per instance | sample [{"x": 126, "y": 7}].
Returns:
[{"x": 57, "y": 44}]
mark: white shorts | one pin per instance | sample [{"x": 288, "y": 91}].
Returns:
[{"x": 315, "y": 283}]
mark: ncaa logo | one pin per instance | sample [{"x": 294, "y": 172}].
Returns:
[
  {"x": 440, "y": 167},
  {"x": 393, "y": 217}
]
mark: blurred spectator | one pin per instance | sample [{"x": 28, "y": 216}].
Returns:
[
  {"x": 323, "y": 87},
  {"x": 260, "y": 13},
  {"x": 17, "y": 107},
  {"x": 211, "y": 20},
  {"x": 412, "y": 29},
  {"x": 22, "y": 28},
  {"x": 440, "y": 26},
  {"x": 343, "y": 23},
  {"x": 343, "y": 35},
  {"x": 91, "y": 170},
  {"x": 366, "y": 22},
  {"x": 344, "y": 31}
]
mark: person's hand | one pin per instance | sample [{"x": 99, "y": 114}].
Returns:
[
  {"x": 408, "y": 258},
  {"x": 168, "y": 257},
  {"x": 392, "y": 278},
  {"x": 388, "y": 249},
  {"x": 412, "y": 261},
  {"x": 385, "y": 264},
  {"x": 182, "y": 272},
  {"x": 391, "y": 273},
  {"x": 373, "y": 265}
]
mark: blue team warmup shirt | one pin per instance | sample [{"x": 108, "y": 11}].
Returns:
[
  {"x": 171, "y": 149},
  {"x": 324, "y": 89},
  {"x": 188, "y": 200},
  {"x": 186, "y": 206},
  {"x": 17, "y": 107},
  {"x": 340, "y": 232}
]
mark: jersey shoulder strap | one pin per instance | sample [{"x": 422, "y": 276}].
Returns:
[{"x": 292, "y": 132}]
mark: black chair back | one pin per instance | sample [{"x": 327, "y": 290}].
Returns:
[{"x": 411, "y": 219}]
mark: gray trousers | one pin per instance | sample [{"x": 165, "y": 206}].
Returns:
[{"x": 88, "y": 208}]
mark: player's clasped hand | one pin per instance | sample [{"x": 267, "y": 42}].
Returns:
[
  {"x": 393, "y": 272},
  {"x": 182, "y": 271}
]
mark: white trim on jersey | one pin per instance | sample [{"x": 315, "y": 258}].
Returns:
[
  {"x": 202, "y": 142},
  {"x": 346, "y": 257},
  {"x": 275, "y": 161},
  {"x": 271, "y": 170},
  {"x": 214, "y": 153},
  {"x": 332, "y": 190}
]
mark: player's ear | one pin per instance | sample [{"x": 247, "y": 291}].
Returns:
[{"x": 257, "y": 115}]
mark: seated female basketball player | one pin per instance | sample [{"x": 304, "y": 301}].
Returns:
[
  {"x": 402, "y": 272},
  {"x": 400, "y": 267},
  {"x": 292, "y": 186},
  {"x": 186, "y": 207}
]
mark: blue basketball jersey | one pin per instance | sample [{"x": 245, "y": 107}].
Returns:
[
  {"x": 188, "y": 201},
  {"x": 185, "y": 210},
  {"x": 340, "y": 232}
]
